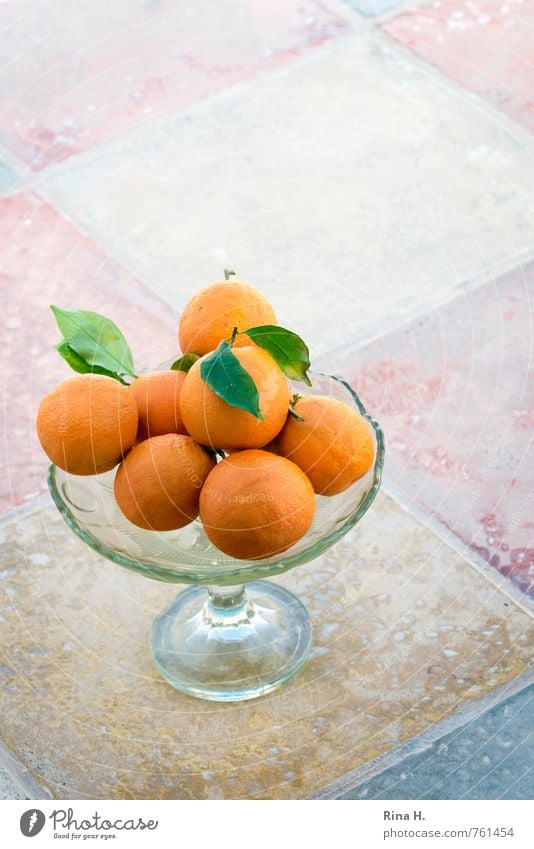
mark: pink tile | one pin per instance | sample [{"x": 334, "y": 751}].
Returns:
[
  {"x": 487, "y": 46},
  {"x": 452, "y": 393},
  {"x": 47, "y": 260},
  {"x": 77, "y": 76}
]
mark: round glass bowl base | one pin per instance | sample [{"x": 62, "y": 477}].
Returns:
[{"x": 227, "y": 644}]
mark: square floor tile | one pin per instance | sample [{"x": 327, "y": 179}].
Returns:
[
  {"x": 79, "y": 74},
  {"x": 348, "y": 186},
  {"x": 454, "y": 393},
  {"x": 46, "y": 260},
  {"x": 486, "y": 46},
  {"x": 406, "y": 633}
]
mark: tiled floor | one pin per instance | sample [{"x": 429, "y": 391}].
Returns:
[{"x": 368, "y": 165}]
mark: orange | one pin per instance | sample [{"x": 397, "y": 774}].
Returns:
[
  {"x": 333, "y": 445},
  {"x": 157, "y": 486},
  {"x": 211, "y": 315},
  {"x": 213, "y": 422},
  {"x": 158, "y": 401},
  {"x": 87, "y": 423},
  {"x": 256, "y": 505}
]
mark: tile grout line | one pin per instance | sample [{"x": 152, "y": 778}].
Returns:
[
  {"x": 498, "y": 269},
  {"x": 502, "y": 584},
  {"x": 425, "y": 739},
  {"x": 515, "y": 129}
]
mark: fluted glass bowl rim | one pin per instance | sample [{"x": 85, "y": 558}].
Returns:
[{"x": 242, "y": 573}]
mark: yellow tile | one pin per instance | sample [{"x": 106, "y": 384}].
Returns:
[{"x": 406, "y": 633}]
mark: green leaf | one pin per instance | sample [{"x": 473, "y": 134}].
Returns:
[
  {"x": 223, "y": 373},
  {"x": 95, "y": 339},
  {"x": 184, "y": 362},
  {"x": 286, "y": 348},
  {"x": 80, "y": 365}
]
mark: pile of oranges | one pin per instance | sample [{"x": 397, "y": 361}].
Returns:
[{"x": 182, "y": 450}]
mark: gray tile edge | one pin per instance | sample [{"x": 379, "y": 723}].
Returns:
[
  {"x": 423, "y": 741},
  {"x": 21, "y": 776}
]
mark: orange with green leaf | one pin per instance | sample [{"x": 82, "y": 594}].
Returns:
[{"x": 226, "y": 398}]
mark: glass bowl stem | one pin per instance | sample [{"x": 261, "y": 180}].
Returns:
[{"x": 231, "y": 643}]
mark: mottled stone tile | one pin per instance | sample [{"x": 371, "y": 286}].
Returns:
[
  {"x": 350, "y": 187},
  {"x": 406, "y": 633},
  {"x": 453, "y": 391},
  {"x": 46, "y": 260},
  {"x": 80, "y": 74},
  {"x": 489, "y": 758},
  {"x": 486, "y": 46}
]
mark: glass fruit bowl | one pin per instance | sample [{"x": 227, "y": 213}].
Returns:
[{"x": 238, "y": 636}]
